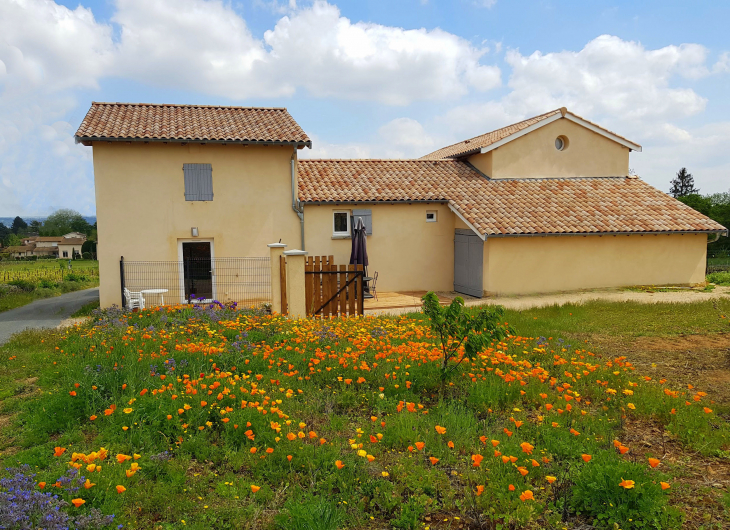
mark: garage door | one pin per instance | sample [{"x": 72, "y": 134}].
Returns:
[{"x": 468, "y": 263}]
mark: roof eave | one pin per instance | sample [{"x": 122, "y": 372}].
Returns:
[
  {"x": 603, "y": 132},
  {"x": 723, "y": 232},
  {"x": 87, "y": 141}
]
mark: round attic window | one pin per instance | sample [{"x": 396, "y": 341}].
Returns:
[{"x": 561, "y": 143}]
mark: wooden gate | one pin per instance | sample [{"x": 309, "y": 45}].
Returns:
[{"x": 333, "y": 290}]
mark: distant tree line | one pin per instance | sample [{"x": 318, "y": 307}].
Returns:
[
  {"x": 57, "y": 224},
  {"x": 716, "y": 206}
]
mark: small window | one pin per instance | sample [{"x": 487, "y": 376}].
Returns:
[
  {"x": 431, "y": 216},
  {"x": 198, "y": 182},
  {"x": 65, "y": 253},
  {"x": 561, "y": 143},
  {"x": 341, "y": 223}
]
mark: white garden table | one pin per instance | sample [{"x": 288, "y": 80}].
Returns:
[{"x": 161, "y": 292}]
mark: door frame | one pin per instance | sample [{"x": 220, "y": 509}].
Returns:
[{"x": 181, "y": 274}]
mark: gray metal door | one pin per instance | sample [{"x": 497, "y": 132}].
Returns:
[{"x": 468, "y": 263}]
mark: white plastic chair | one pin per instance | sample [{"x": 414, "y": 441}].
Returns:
[{"x": 134, "y": 299}]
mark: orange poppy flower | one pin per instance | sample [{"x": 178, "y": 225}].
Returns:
[
  {"x": 511, "y": 487},
  {"x": 523, "y": 470},
  {"x": 586, "y": 458},
  {"x": 450, "y": 444},
  {"x": 339, "y": 464},
  {"x": 477, "y": 460},
  {"x": 78, "y": 502},
  {"x": 627, "y": 484},
  {"x": 654, "y": 462},
  {"x": 665, "y": 485},
  {"x": 527, "y": 448},
  {"x": 440, "y": 430},
  {"x": 527, "y": 496},
  {"x": 58, "y": 451},
  {"x": 88, "y": 484},
  {"x": 434, "y": 460},
  {"x": 255, "y": 488},
  {"x": 121, "y": 489},
  {"x": 479, "y": 491},
  {"x": 420, "y": 445},
  {"x": 289, "y": 457},
  {"x": 41, "y": 485},
  {"x": 550, "y": 479},
  {"x": 495, "y": 443}
]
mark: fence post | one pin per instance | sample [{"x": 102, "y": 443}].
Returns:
[
  {"x": 121, "y": 277},
  {"x": 276, "y": 250},
  {"x": 296, "y": 296}
]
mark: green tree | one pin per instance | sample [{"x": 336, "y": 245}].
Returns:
[
  {"x": 698, "y": 202},
  {"x": 12, "y": 240},
  {"x": 18, "y": 225},
  {"x": 462, "y": 335},
  {"x": 4, "y": 232},
  {"x": 64, "y": 221},
  {"x": 683, "y": 184}
]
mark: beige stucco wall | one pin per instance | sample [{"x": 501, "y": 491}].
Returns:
[
  {"x": 68, "y": 248},
  {"x": 549, "y": 264},
  {"x": 142, "y": 213},
  {"x": 534, "y": 155},
  {"x": 408, "y": 253}
]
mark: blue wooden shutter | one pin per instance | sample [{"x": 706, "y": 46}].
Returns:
[
  {"x": 367, "y": 218},
  {"x": 198, "y": 182}
]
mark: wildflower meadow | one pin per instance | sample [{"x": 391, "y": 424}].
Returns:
[{"x": 219, "y": 417}]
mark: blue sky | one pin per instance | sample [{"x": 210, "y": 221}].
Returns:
[{"x": 365, "y": 78}]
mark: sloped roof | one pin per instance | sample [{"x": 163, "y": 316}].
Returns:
[
  {"x": 476, "y": 144},
  {"x": 504, "y": 207},
  {"x": 72, "y": 241},
  {"x": 18, "y": 248},
  {"x": 151, "y": 122}
]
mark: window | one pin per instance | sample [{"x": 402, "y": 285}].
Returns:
[
  {"x": 341, "y": 223},
  {"x": 431, "y": 216},
  {"x": 65, "y": 253},
  {"x": 561, "y": 143},
  {"x": 198, "y": 182}
]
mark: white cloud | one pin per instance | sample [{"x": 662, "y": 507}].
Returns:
[
  {"x": 723, "y": 64},
  {"x": 48, "y": 51},
  {"x": 621, "y": 85}
]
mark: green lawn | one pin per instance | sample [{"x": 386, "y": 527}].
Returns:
[{"x": 229, "y": 419}]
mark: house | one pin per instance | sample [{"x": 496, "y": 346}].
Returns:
[
  {"x": 66, "y": 246},
  {"x": 543, "y": 205}
]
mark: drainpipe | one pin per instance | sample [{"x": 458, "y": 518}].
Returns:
[{"x": 295, "y": 204}]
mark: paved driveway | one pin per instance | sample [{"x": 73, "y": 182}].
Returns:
[{"x": 47, "y": 313}]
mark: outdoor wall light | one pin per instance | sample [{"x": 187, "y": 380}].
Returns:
[{"x": 194, "y": 231}]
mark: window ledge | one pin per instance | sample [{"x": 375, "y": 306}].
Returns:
[{"x": 343, "y": 236}]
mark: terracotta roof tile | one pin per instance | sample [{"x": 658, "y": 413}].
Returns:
[
  {"x": 504, "y": 207},
  {"x": 141, "y": 121}
]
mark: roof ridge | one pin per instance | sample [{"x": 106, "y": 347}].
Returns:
[
  {"x": 378, "y": 160},
  {"x": 122, "y": 103}
]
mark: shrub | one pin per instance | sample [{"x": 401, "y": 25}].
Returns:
[
  {"x": 46, "y": 283},
  {"x": 75, "y": 277},
  {"x": 597, "y": 493},
  {"x": 24, "y": 285},
  {"x": 86, "y": 255},
  {"x": 719, "y": 278},
  {"x": 456, "y": 328}
]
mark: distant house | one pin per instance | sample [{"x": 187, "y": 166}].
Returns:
[
  {"x": 543, "y": 205},
  {"x": 66, "y": 246}
]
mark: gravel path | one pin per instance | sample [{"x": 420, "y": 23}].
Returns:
[
  {"x": 680, "y": 296},
  {"x": 46, "y": 313}
]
